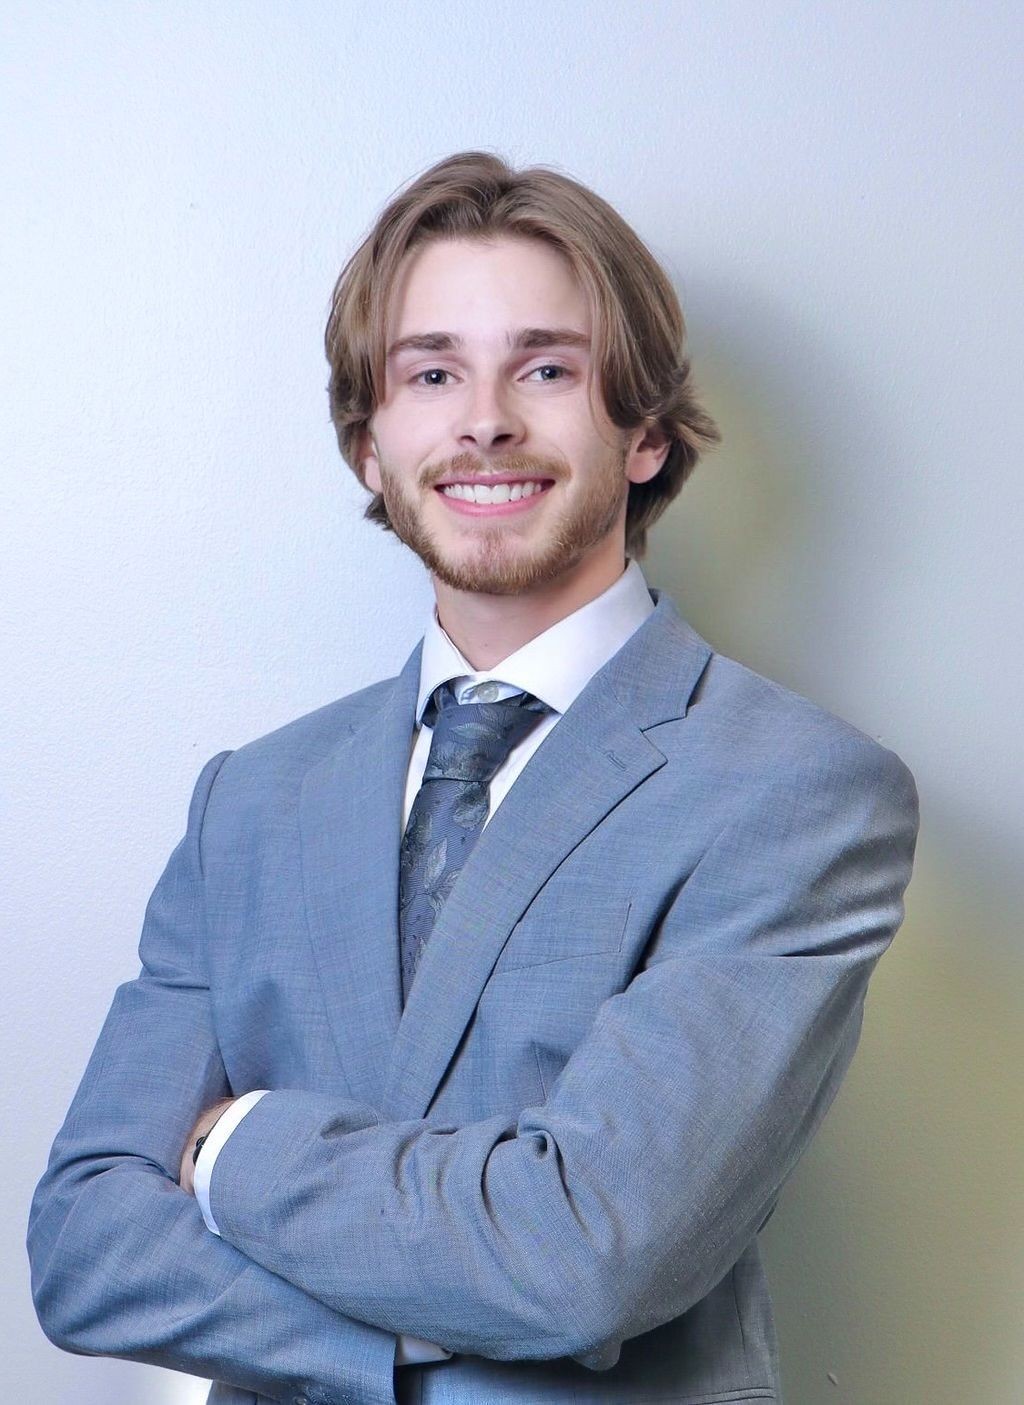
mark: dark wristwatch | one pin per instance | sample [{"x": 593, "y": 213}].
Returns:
[{"x": 202, "y": 1139}]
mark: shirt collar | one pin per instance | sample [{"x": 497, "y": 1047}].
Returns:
[{"x": 559, "y": 663}]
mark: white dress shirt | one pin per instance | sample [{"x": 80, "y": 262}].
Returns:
[{"x": 555, "y": 666}]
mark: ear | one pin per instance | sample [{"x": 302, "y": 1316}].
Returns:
[
  {"x": 367, "y": 459},
  {"x": 647, "y": 449}
]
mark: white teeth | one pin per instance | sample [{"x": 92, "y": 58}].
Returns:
[{"x": 499, "y": 493}]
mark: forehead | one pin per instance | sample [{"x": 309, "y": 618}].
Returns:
[{"x": 469, "y": 286}]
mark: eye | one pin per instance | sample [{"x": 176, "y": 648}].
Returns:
[
  {"x": 431, "y": 371},
  {"x": 560, "y": 372}
]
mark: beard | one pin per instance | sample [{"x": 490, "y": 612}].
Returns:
[{"x": 498, "y": 559}]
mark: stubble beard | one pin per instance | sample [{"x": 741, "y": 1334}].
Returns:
[{"x": 500, "y": 562}]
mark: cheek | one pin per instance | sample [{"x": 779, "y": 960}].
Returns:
[
  {"x": 409, "y": 441},
  {"x": 573, "y": 429}
]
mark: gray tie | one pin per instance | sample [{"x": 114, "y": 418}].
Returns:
[{"x": 470, "y": 743}]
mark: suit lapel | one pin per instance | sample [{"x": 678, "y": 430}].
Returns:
[
  {"x": 350, "y": 815},
  {"x": 590, "y": 761}
]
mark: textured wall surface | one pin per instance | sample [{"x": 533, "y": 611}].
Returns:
[{"x": 835, "y": 190}]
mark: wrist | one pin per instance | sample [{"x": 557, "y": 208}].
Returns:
[
  {"x": 216, "y": 1133},
  {"x": 197, "y": 1138}
]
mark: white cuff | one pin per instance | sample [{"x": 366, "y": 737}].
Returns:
[
  {"x": 222, "y": 1129},
  {"x": 411, "y": 1351}
]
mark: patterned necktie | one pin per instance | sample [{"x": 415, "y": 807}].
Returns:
[{"x": 470, "y": 743}]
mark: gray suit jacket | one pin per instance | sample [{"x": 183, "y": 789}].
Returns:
[{"x": 633, "y": 1012}]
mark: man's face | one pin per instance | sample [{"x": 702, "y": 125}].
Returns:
[{"x": 488, "y": 359}]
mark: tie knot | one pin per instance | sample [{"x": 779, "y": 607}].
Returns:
[{"x": 471, "y": 741}]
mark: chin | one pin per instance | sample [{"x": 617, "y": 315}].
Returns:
[
  {"x": 511, "y": 575},
  {"x": 511, "y": 580}
]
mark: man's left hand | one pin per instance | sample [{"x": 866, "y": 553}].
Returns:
[{"x": 204, "y": 1123}]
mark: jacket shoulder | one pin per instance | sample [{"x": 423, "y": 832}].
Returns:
[
  {"x": 290, "y": 750},
  {"x": 766, "y": 725}
]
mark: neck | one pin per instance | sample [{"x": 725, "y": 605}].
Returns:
[{"x": 488, "y": 628}]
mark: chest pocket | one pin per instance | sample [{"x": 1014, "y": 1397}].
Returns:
[{"x": 567, "y": 920}]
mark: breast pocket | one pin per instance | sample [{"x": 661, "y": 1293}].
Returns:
[{"x": 568, "y": 921}]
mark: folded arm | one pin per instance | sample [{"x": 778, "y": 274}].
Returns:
[
  {"x": 663, "y": 1144},
  {"x": 122, "y": 1263}
]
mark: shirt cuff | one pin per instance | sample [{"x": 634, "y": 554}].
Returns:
[
  {"x": 411, "y": 1351},
  {"x": 222, "y": 1129}
]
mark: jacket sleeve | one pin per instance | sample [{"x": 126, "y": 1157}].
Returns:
[
  {"x": 122, "y": 1263},
  {"x": 663, "y": 1144}
]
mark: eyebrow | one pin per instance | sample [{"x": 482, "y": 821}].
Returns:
[{"x": 526, "y": 339}]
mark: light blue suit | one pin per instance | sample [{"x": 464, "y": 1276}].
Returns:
[{"x": 633, "y": 1012}]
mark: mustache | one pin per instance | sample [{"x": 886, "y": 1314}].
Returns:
[{"x": 532, "y": 465}]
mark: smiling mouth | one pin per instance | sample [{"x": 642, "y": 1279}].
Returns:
[{"x": 495, "y": 494}]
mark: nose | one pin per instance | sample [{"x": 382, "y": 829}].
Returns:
[{"x": 488, "y": 418}]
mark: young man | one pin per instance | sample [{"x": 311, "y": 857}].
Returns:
[{"x": 484, "y": 1013}]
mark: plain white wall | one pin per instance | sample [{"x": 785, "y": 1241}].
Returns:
[{"x": 835, "y": 189}]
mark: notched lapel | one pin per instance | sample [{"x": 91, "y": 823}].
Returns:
[
  {"x": 350, "y": 823},
  {"x": 591, "y": 760},
  {"x": 568, "y": 786}
]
